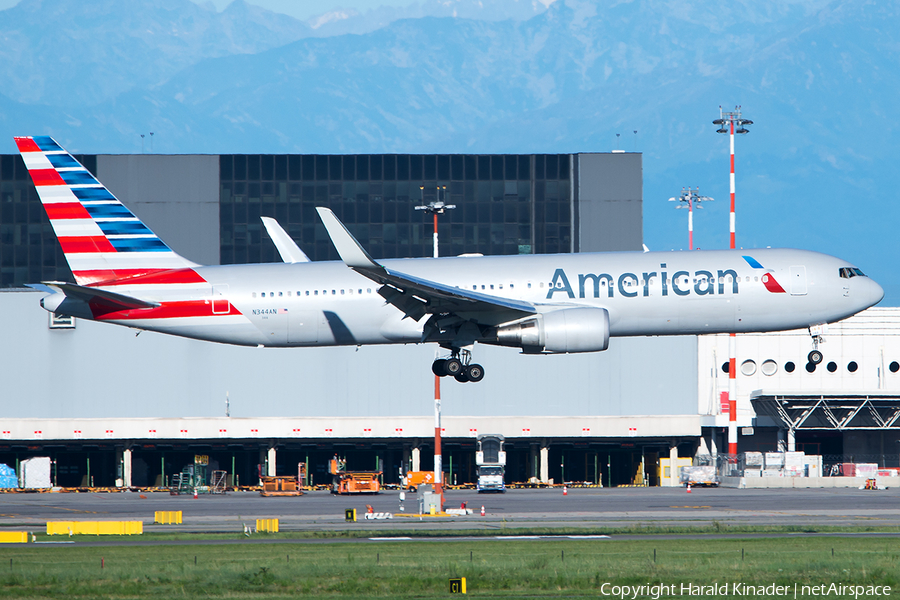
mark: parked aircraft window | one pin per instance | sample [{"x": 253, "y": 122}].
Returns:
[
  {"x": 529, "y": 286},
  {"x": 316, "y": 293},
  {"x": 368, "y": 290},
  {"x": 307, "y": 292},
  {"x": 254, "y": 294},
  {"x": 492, "y": 286},
  {"x": 474, "y": 287},
  {"x": 789, "y": 367},
  {"x": 350, "y": 291},
  {"x": 769, "y": 367},
  {"x": 262, "y": 295},
  {"x": 810, "y": 367},
  {"x": 894, "y": 367},
  {"x": 852, "y": 366},
  {"x": 542, "y": 284},
  {"x": 342, "y": 292},
  {"x": 271, "y": 294},
  {"x": 501, "y": 286},
  {"x": 289, "y": 293},
  {"x": 360, "y": 290},
  {"x": 748, "y": 368},
  {"x": 725, "y": 367},
  {"x": 832, "y": 367},
  {"x": 280, "y": 294},
  {"x": 482, "y": 286},
  {"x": 333, "y": 292},
  {"x": 511, "y": 286},
  {"x": 754, "y": 279}
]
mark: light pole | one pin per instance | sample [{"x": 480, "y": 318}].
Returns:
[
  {"x": 437, "y": 207},
  {"x": 731, "y": 119},
  {"x": 688, "y": 199}
]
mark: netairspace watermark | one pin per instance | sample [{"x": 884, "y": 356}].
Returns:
[{"x": 737, "y": 589}]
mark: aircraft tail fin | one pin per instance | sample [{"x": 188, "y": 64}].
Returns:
[{"x": 102, "y": 240}]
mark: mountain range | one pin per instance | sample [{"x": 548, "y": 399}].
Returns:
[{"x": 816, "y": 77}]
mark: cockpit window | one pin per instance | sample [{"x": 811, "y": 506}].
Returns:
[{"x": 848, "y": 272}]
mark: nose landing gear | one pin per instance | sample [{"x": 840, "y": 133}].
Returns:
[
  {"x": 815, "y": 356},
  {"x": 459, "y": 366}
]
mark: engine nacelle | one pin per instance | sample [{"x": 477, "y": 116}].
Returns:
[{"x": 560, "y": 331}]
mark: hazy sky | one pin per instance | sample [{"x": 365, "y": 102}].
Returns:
[{"x": 301, "y": 9}]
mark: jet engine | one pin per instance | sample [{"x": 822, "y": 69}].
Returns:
[{"x": 559, "y": 331}]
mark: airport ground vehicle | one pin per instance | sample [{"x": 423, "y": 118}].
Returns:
[{"x": 491, "y": 461}]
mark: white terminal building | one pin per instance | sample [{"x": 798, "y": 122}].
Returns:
[{"x": 114, "y": 407}]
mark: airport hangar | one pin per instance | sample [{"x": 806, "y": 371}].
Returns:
[{"x": 113, "y": 408}]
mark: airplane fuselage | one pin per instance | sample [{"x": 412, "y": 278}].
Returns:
[{"x": 651, "y": 293}]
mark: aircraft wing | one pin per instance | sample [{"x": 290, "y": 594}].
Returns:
[
  {"x": 289, "y": 251},
  {"x": 415, "y": 295}
]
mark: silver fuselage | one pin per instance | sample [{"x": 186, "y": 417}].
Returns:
[{"x": 651, "y": 293}]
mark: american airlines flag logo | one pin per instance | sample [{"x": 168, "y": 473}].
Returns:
[{"x": 767, "y": 278}]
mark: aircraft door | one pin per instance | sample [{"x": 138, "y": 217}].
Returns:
[
  {"x": 798, "y": 281},
  {"x": 220, "y": 303},
  {"x": 303, "y": 326}
]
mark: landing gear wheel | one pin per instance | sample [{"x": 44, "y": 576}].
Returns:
[
  {"x": 438, "y": 367},
  {"x": 815, "y": 357},
  {"x": 452, "y": 366},
  {"x": 475, "y": 372},
  {"x": 461, "y": 377}
]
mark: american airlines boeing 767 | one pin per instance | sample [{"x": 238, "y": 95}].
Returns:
[{"x": 559, "y": 303}]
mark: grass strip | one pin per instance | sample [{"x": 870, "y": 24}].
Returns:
[{"x": 411, "y": 569}]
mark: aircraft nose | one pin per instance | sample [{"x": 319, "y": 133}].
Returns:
[{"x": 870, "y": 293}]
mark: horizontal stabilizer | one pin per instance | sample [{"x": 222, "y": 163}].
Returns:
[
  {"x": 94, "y": 296},
  {"x": 288, "y": 249}
]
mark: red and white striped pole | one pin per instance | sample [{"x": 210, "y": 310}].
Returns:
[
  {"x": 732, "y": 340},
  {"x": 690, "y": 222},
  {"x": 438, "y": 458},
  {"x": 731, "y": 216},
  {"x": 435, "y": 208}
]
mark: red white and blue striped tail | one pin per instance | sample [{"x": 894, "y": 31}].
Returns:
[{"x": 104, "y": 243}]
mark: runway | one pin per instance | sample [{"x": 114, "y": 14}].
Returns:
[{"x": 590, "y": 509}]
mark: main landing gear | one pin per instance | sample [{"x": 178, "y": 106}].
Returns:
[{"x": 458, "y": 366}]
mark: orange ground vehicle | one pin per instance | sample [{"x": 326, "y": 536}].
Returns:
[
  {"x": 416, "y": 478},
  {"x": 359, "y": 482},
  {"x": 352, "y": 482}
]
